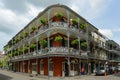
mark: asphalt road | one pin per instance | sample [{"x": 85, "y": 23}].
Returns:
[
  {"x": 8, "y": 75},
  {"x": 5, "y": 77}
]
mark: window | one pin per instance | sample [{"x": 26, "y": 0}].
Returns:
[
  {"x": 42, "y": 65},
  {"x": 51, "y": 66}
]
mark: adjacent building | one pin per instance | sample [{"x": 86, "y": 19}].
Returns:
[{"x": 59, "y": 42}]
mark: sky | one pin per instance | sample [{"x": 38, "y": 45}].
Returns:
[{"x": 16, "y": 14}]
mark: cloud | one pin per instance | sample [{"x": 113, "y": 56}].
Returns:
[
  {"x": 11, "y": 22},
  {"x": 96, "y": 8},
  {"x": 116, "y": 29},
  {"x": 45, "y": 3},
  {"x": 107, "y": 32},
  {"x": 17, "y": 6},
  {"x": 15, "y": 14},
  {"x": 4, "y": 39}
]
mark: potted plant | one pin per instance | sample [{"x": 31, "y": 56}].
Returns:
[
  {"x": 43, "y": 21},
  {"x": 58, "y": 38},
  {"x": 43, "y": 42},
  {"x": 75, "y": 41}
]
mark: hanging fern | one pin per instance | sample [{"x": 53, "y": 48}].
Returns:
[
  {"x": 75, "y": 21},
  {"x": 43, "y": 42},
  {"x": 58, "y": 38},
  {"x": 26, "y": 34},
  {"x": 33, "y": 46},
  {"x": 34, "y": 28},
  {"x": 75, "y": 42},
  {"x": 43, "y": 21},
  {"x": 84, "y": 44},
  {"x": 59, "y": 15},
  {"x": 83, "y": 25}
]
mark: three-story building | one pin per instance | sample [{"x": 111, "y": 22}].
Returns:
[{"x": 58, "y": 42}]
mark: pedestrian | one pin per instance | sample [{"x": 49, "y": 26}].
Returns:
[{"x": 83, "y": 70}]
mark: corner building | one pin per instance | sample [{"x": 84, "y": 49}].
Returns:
[{"x": 59, "y": 42}]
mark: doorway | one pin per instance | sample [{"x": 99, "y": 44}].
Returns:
[{"x": 65, "y": 69}]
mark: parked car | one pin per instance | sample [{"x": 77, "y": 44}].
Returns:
[
  {"x": 100, "y": 71},
  {"x": 118, "y": 68}
]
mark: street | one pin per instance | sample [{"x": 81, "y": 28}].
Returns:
[{"x": 8, "y": 75}]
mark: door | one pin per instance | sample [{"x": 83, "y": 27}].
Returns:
[{"x": 65, "y": 69}]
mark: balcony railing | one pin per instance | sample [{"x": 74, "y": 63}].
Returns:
[
  {"x": 60, "y": 51},
  {"x": 114, "y": 51}
]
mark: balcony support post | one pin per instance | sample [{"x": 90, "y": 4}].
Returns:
[
  {"x": 28, "y": 58},
  {"x": 36, "y": 55},
  {"x": 23, "y": 58},
  {"x": 88, "y": 52},
  {"x": 79, "y": 55},
  {"x": 68, "y": 35},
  {"x": 48, "y": 40}
]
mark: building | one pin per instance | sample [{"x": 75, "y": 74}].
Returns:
[{"x": 59, "y": 42}]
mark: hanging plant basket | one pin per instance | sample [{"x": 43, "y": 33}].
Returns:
[
  {"x": 59, "y": 15},
  {"x": 75, "y": 21},
  {"x": 26, "y": 34},
  {"x": 84, "y": 44},
  {"x": 58, "y": 38},
  {"x": 16, "y": 40},
  {"x": 33, "y": 46},
  {"x": 21, "y": 36},
  {"x": 25, "y": 48},
  {"x": 34, "y": 28},
  {"x": 83, "y": 25},
  {"x": 43, "y": 21},
  {"x": 43, "y": 42},
  {"x": 75, "y": 42}
]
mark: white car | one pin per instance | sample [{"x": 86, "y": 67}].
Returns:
[{"x": 100, "y": 71}]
